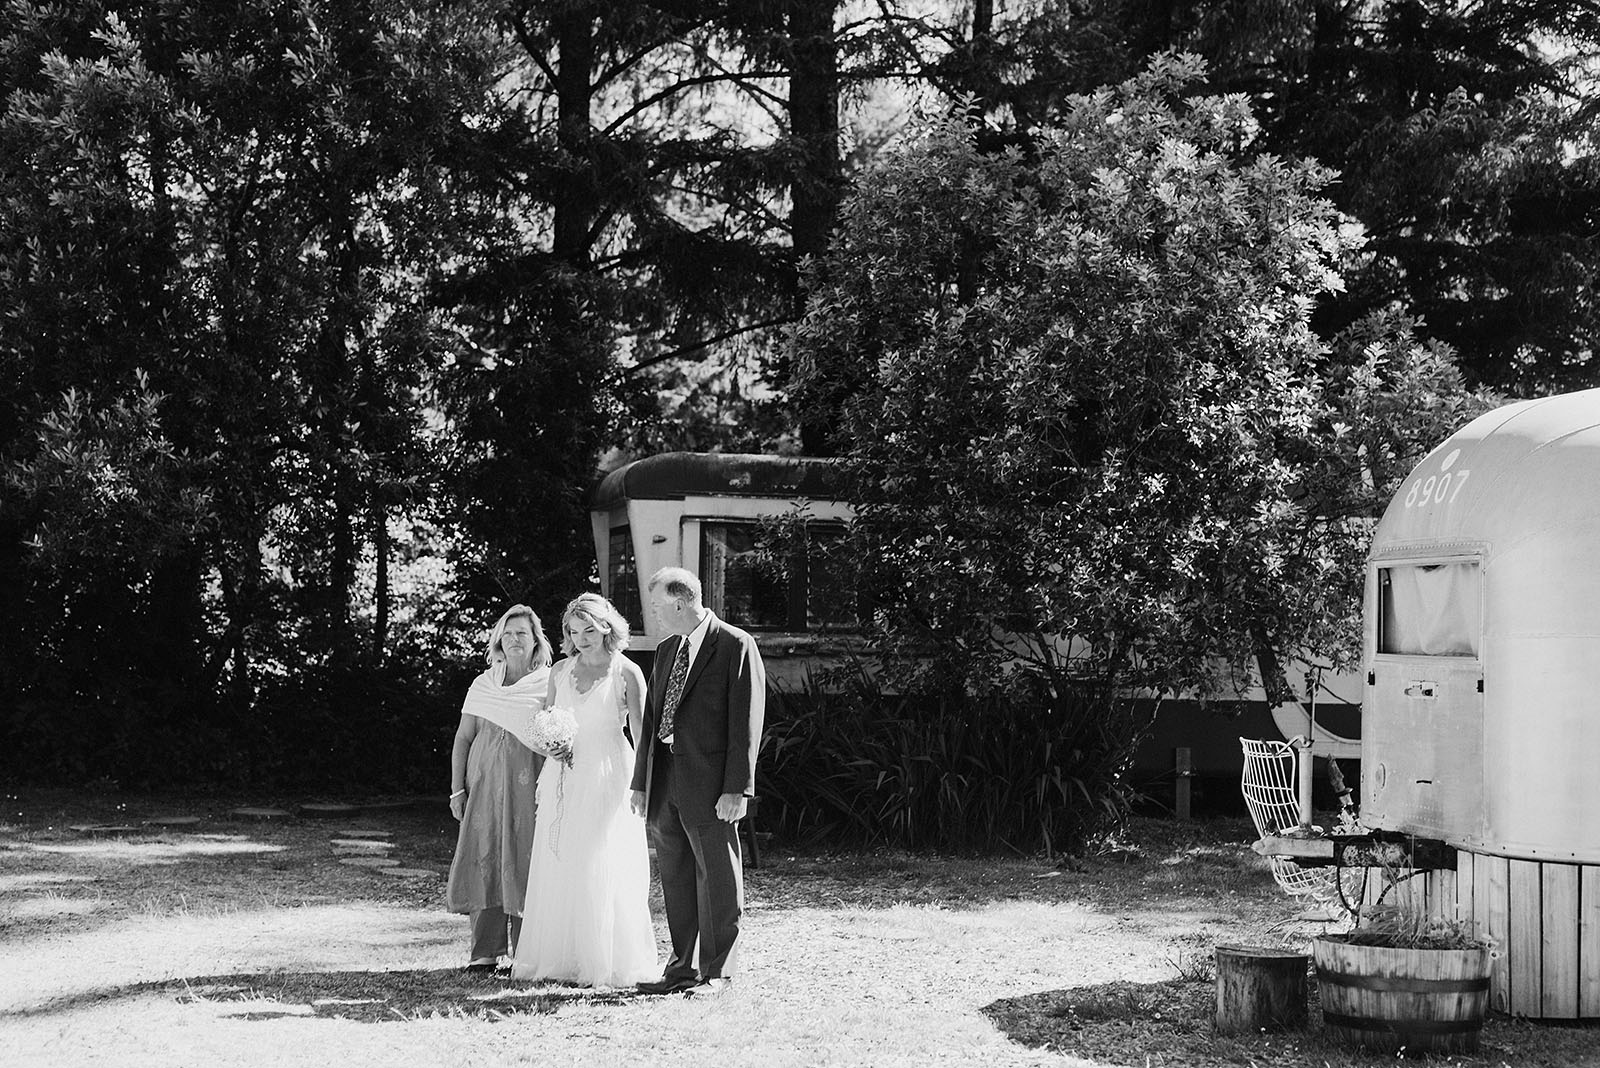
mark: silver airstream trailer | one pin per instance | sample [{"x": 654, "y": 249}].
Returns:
[
  {"x": 703, "y": 511},
  {"x": 1481, "y": 726}
]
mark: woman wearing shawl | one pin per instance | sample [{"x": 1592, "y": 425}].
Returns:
[{"x": 493, "y": 773}]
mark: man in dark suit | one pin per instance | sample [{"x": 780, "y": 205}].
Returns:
[{"x": 694, "y": 775}]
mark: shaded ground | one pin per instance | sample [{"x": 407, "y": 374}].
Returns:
[
  {"x": 249, "y": 943},
  {"x": 1145, "y": 1025}
]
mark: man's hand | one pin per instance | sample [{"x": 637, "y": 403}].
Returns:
[
  {"x": 730, "y": 807},
  {"x": 636, "y": 802}
]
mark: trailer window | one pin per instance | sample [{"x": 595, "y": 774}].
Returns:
[
  {"x": 1430, "y": 609},
  {"x": 622, "y": 578}
]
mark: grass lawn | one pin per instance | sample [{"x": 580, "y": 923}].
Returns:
[{"x": 241, "y": 942}]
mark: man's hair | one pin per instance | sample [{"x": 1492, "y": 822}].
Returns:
[{"x": 679, "y": 584}]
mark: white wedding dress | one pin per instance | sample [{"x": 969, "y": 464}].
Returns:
[{"x": 586, "y": 919}]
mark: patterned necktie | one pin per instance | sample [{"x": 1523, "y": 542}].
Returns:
[{"x": 680, "y": 674}]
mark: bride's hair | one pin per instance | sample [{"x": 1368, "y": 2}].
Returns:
[{"x": 593, "y": 608}]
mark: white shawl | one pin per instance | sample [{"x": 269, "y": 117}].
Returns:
[{"x": 511, "y": 707}]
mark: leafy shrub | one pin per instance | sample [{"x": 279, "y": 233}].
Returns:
[
  {"x": 334, "y": 728},
  {"x": 846, "y": 762}
]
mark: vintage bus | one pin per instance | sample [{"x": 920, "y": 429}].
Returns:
[{"x": 703, "y": 511}]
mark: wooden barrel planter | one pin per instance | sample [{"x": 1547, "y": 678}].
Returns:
[{"x": 1385, "y": 998}]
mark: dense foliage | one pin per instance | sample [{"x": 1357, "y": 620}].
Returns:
[
  {"x": 216, "y": 222},
  {"x": 318, "y": 319},
  {"x": 1095, "y": 440},
  {"x": 1463, "y": 133}
]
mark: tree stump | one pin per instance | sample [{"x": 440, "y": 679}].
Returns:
[{"x": 1260, "y": 988}]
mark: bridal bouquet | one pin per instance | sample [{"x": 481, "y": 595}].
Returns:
[{"x": 553, "y": 730}]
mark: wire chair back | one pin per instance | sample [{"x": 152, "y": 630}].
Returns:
[{"x": 1269, "y": 783}]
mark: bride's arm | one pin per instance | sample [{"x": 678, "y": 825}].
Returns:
[
  {"x": 550, "y": 688},
  {"x": 633, "y": 698}
]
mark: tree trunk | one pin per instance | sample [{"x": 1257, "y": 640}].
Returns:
[
  {"x": 380, "y": 594},
  {"x": 172, "y": 647},
  {"x": 239, "y": 590},
  {"x": 816, "y": 185},
  {"x": 1273, "y": 682},
  {"x": 575, "y": 201},
  {"x": 814, "y": 125},
  {"x": 338, "y": 332}
]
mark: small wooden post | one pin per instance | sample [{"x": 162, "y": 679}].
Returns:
[
  {"x": 1183, "y": 778},
  {"x": 1260, "y": 989}
]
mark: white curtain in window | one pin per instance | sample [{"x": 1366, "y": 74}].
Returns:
[{"x": 1432, "y": 609}]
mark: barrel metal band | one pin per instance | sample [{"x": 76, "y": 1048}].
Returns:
[
  {"x": 1401, "y": 1027},
  {"x": 1405, "y": 986}
]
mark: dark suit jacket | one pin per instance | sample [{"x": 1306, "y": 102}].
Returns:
[{"x": 717, "y": 728}]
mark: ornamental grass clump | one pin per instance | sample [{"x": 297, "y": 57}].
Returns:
[{"x": 847, "y": 763}]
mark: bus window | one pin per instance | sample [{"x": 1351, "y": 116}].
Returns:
[
  {"x": 622, "y": 578},
  {"x": 736, "y": 588},
  {"x": 830, "y": 580},
  {"x": 814, "y": 592}
]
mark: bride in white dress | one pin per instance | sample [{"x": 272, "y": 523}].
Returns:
[{"x": 586, "y": 919}]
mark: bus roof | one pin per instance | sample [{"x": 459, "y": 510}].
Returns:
[{"x": 675, "y": 475}]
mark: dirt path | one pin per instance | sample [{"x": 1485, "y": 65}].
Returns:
[{"x": 253, "y": 945}]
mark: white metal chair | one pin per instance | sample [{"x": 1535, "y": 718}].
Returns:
[{"x": 1273, "y": 786}]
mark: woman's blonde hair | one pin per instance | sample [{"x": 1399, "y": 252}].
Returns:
[
  {"x": 603, "y": 614},
  {"x": 541, "y": 644}
]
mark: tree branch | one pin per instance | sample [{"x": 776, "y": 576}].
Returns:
[
  {"x": 525, "y": 38},
  {"x": 623, "y": 66},
  {"x": 688, "y": 83},
  {"x": 698, "y": 346}
]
